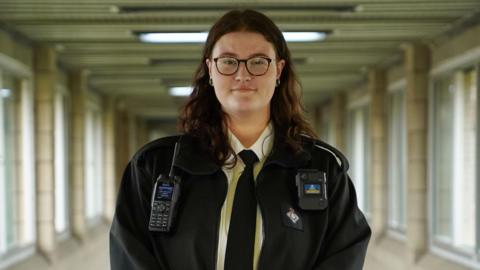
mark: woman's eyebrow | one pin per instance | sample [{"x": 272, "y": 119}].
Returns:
[
  {"x": 227, "y": 53},
  {"x": 236, "y": 55},
  {"x": 258, "y": 54}
]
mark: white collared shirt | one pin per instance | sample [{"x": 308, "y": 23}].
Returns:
[{"x": 261, "y": 147}]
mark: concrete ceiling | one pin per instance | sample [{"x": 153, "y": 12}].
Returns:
[{"x": 98, "y": 36}]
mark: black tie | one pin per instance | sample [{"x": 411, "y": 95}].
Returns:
[{"x": 241, "y": 233}]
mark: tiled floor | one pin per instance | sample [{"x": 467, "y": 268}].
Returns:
[
  {"x": 72, "y": 255},
  {"x": 93, "y": 256},
  {"x": 371, "y": 264}
]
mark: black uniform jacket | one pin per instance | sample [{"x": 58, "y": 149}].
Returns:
[{"x": 335, "y": 238}]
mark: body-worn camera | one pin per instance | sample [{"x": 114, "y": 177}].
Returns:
[{"x": 312, "y": 189}]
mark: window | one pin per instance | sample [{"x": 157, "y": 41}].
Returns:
[
  {"x": 94, "y": 165},
  {"x": 27, "y": 177},
  {"x": 8, "y": 198},
  {"x": 61, "y": 162},
  {"x": 17, "y": 169},
  {"x": 357, "y": 149},
  {"x": 454, "y": 173},
  {"x": 397, "y": 136}
]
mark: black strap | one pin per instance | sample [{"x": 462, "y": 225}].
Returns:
[{"x": 241, "y": 233}]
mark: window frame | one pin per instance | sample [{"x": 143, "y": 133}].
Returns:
[
  {"x": 61, "y": 93},
  {"x": 11, "y": 147},
  {"x": 398, "y": 233},
  {"x": 3, "y": 228},
  {"x": 444, "y": 250},
  {"x": 362, "y": 104},
  {"x": 477, "y": 225},
  {"x": 9, "y": 234},
  {"x": 93, "y": 107},
  {"x": 22, "y": 78}
]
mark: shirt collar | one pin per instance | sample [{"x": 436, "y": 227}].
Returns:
[
  {"x": 261, "y": 147},
  {"x": 193, "y": 159}
]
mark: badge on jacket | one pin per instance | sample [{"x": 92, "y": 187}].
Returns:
[{"x": 291, "y": 218}]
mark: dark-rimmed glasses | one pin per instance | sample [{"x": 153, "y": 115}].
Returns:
[{"x": 256, "y": 66}]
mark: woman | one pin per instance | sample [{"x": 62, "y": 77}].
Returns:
[{"x": 247, "y": 186}]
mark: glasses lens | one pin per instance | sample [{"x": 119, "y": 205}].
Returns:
[
  {"x": 257, "y": 65},
  {"x": 227, "y": 65}
]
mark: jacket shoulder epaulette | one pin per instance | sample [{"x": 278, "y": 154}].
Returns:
[
  {"x": 164, "y": 142},
  {"x": 320, "y": 145}
]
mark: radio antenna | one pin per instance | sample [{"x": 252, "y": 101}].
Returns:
[{"x": 175, "y": 152}]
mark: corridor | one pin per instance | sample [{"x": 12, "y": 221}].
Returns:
[{"x": 392, "y": 84}]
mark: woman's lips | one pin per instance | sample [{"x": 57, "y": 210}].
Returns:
[{"x": 243, "y": 89}]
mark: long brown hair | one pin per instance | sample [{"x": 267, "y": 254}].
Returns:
[{"x": 202, "y": 115}]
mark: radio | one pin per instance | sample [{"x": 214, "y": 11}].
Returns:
[
  {"x": 164, "y": 203},
  {"x": 166, "y": 192}
]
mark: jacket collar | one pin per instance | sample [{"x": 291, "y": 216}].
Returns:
[
  {"x": 193, "y": 160},
  {"x": 283, "y": 156}
]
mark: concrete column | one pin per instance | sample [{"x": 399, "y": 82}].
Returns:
[
  {"x": 122, "y": 144},
  {"x": 45, "y": 78},
  {"x": 132, "y": 134},
  {"x": 378, "y": 137},
  {"x": 142, "y": 135},
  {"x": 317, "y": 122},
  {"x": 417, "y": 64},
  {"x": 77, "y": 82},
  {"x": 110, "y": 154},
  {"x": 328, "y": 123},
  {"x": 338, "y": 113}
]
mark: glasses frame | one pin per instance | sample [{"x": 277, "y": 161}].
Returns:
[{"x": 269, "y": 60}]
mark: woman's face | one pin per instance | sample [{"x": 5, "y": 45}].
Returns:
[{"x": 242, "y": 93}]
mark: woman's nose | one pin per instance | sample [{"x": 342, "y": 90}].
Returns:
[{"x": 242, "y": 72}]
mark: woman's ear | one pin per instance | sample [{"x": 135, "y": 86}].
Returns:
[
  {"x": 280, "y": 64},
  {"x": 209, "y": 65}
]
